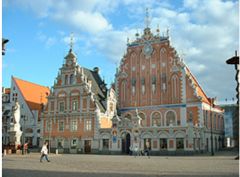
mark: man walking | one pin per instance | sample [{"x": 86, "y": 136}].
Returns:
[{"x": 44, "y": 152}]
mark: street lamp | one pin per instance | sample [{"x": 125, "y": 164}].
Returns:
[
  {"x": 4, "y": 41},
  {"x": 211, "y": 104}
]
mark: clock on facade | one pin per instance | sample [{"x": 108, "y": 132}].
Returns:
[
  {"x": 148, "y": 49},
  {"x": 69, "y": 62}
]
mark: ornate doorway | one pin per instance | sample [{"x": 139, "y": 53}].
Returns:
[{"x": 126, "y": 141}]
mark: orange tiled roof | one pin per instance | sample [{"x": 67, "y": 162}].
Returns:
[{"x": 34, "y": 94}]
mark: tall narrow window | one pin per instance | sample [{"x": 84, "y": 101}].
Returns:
[
  {"x": 170, "y": 118},
  {"x": 154, "y": 84},
  {"x": 215, "y": 122},
  {"x": 133, "y": 86},
  {"x": 123, "y": 95},
  {"x": 52, "y": 106},
  {"x": 88, "y": 125},
  {"x": 61, "y": 126},
  {"x": 143, "y": 85},
  {"x": 75, "y": 105},
  {"x": 190, "y": 117},
  {"x": 156, "y": 119},
  {"x": 66, "y": 79},
  {"x": 206, "y": 117},
  {"x": 48, "y": 126},
  {"x": 71, "y": 78},
  {"x": 144, "y": 120},
  {"x": 174, "y": 88},
  {"x": 61, "y": 106},
  {"x": 74, "y": 125},
  {"x": 164, "y": 82}
]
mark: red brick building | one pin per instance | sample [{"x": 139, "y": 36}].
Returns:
[{"x": 161, "y": 103}]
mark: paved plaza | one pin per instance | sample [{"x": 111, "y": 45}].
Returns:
[{"x": 118, "y": 166}]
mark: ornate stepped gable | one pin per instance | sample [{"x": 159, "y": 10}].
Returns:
[
  {"x": 152, "y": 62},
  {"x": 72, "y": 75}
]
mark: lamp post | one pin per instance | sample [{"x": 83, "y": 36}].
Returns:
[
  {"x": 235, "y": 61},
  {"x": 211, "y": 104},
  {"x": 49, "y": 135},
  {"x": 23, "y": 133}
]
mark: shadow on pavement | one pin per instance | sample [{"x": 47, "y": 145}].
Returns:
[{"x": 38, "y": 173}]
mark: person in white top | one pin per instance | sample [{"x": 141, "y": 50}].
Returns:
[{"x": 44, "y": 152}]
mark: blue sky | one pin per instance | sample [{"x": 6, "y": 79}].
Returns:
[{"x": 203, "y": 32}]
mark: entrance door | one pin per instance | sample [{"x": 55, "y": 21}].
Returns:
[
  {"x": 87, "y": 146},
  {"x": 126, "y": 141}
]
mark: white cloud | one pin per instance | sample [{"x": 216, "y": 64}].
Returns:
[
  {"x": 198, "y": 68},
  {"x": 206, "y": 31},
  {"x": 91, "y": 22},
  {"x": 46, "y": 40}
]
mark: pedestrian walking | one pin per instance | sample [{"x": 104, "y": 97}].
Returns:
[
  {"x": 44, "y": 152},
  {"x": 25, "y": 148},
  {"x": 148, "y": 147}
]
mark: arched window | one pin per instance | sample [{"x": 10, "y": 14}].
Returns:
[
  {"x": 170, "y": 118},
  {"x": 156, "y": 119},
  {"x": 144, "y": 120},
  {"x": 71, "y": 79}
]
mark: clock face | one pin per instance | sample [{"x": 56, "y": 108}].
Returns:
[
  {"x": 69, "y": 62},
  {"x": 148, "y": 49}
]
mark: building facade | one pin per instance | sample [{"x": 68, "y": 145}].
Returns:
[
  {"x": 6, "y": 114},
  {"x": 26, "y": 100},
  {"x": 161, "y": 103},
  {"x": 230, "y": 115},
  {"x": 78, "y": 106}
]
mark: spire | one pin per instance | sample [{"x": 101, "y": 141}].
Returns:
[
  {"x": 147, "y": 19},
  {"x": 71, "y": 41}
]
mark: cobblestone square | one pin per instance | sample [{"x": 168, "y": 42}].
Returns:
[{"x": 63, "y": 165}]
